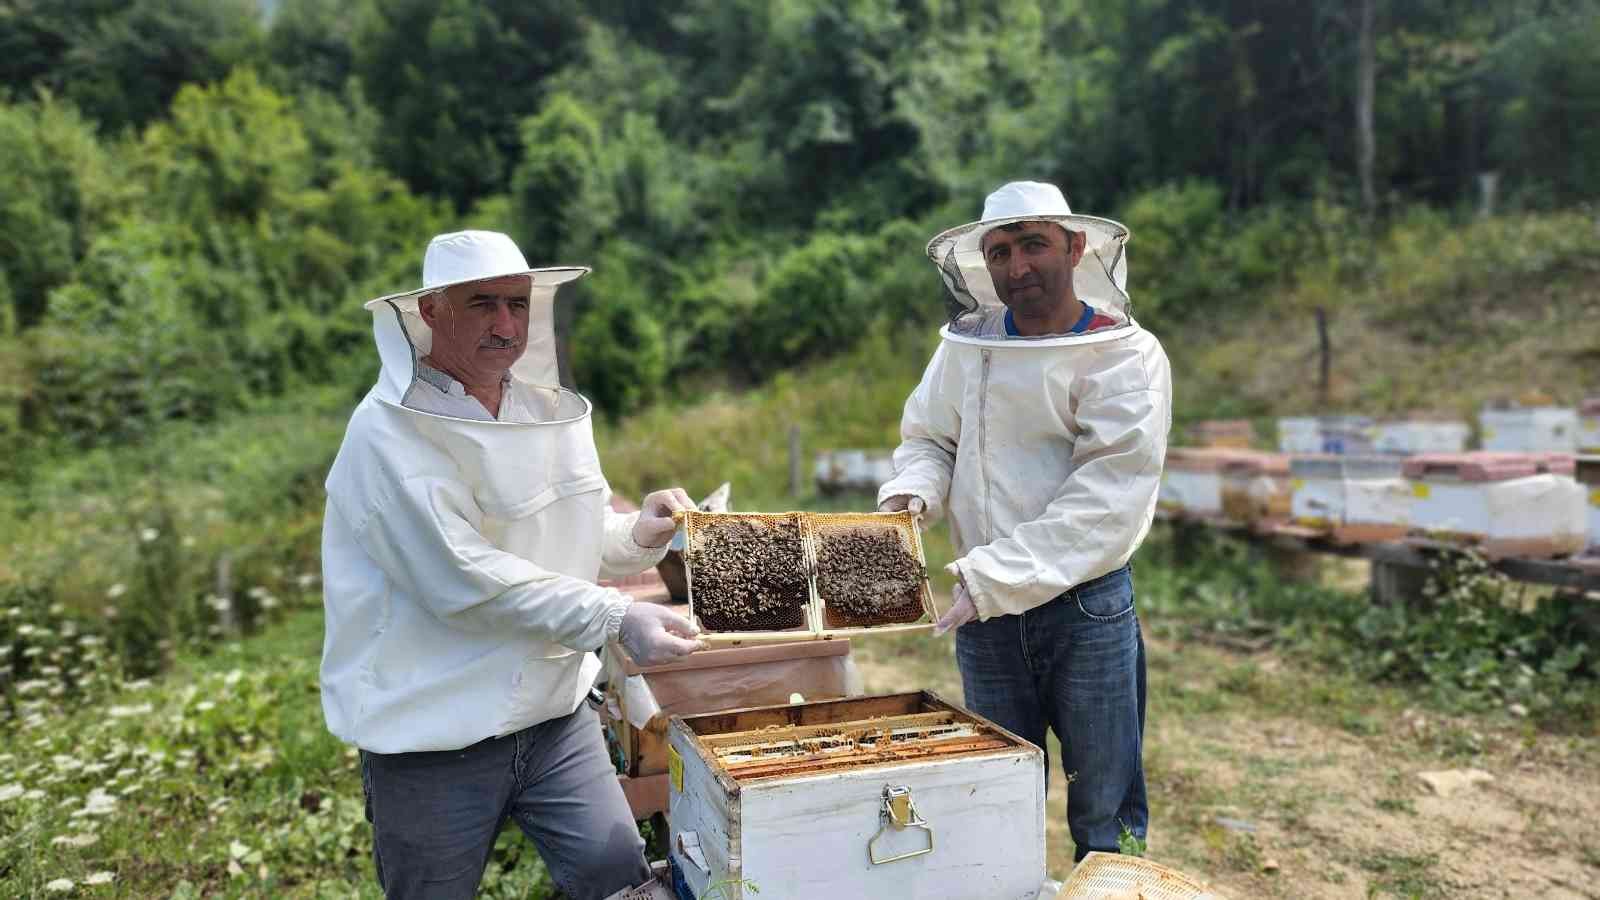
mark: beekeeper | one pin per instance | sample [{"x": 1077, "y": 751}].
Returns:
[
  {"x": 1040, "y": 426},
  {"x": 467, "y": 522}
]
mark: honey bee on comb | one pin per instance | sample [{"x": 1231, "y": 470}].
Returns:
[
  {"x": 749, "y": 574},
  {"x": 867, "y": 575}
]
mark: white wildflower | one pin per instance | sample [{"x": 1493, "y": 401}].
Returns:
[
  {"x": 110, "y": 612},
  {"x": 31, "y": 685},
  {"x": 100, "y": 878},
  {"x": 125, "y": 772},
  {"x": 25, "y": 629},
  {"x": 116, "y": 590},
  {"x": 269, "y": 602},
  {"x": 256, "y": 592},
  {"x": 52, "y": 671},
  {"x": 148, "y": 534},
  {"x": 138, "y": 684},
  {"x": 220, "y": 604},
  {"x": 34, "y": 794},
  {"x": 98, "y": 803},
  {"x": 33, "y": 651},
  {"x": 59, "y": 886},
  {"x": 305, "y": 580},
  {"x": 233, "y": 676},
  {"x": 204, "y": 706},
  {"x": 124, "y": 712},
  {"x": 187, "y": 542},
  {"x": 95, "y": 768},
  {"x": 78, "y": 841},
  {"x": 10, "y": 792},
  {"x": 14, "y": 612},
  {"x": 90, "y": 640}
]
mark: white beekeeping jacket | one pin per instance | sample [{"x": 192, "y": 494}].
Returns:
[
  {"x": 1045, "y": 452},
  {"x": 459, "y": 556}
]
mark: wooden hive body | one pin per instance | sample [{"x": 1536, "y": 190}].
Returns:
[{"x": 809, "y": 825}]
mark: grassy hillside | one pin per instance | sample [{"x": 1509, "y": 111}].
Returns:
[{"x": 1432, "y": 316}]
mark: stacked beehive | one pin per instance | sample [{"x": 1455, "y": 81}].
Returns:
[
  {"x": 1506, "y": 504},
  {"x": 1355, "y": 499},
  {"x": 1529, "y": 429}
]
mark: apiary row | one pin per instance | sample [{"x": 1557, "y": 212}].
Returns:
[
  {"x": 1534, "y": 429},
  {"x": 1507, "y": 504}
]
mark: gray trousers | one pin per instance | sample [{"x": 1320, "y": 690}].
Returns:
[{"x": 435, "y": 815}]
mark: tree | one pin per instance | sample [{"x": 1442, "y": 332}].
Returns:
[{"x": 451, "y": 78}]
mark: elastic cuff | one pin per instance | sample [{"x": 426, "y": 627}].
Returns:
[
  {"x": 613, "y": 617},
  {"x": 979, "y": 601}
]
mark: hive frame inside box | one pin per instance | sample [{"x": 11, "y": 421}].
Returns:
[{"x": 815, "y": 628}]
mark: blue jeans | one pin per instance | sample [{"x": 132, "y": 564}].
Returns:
[
  {"x": 1074, "y": 665},
  {"x": 435, "y": 815}
]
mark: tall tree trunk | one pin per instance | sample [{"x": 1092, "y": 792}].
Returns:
[{"x": 1366, "y": 85}]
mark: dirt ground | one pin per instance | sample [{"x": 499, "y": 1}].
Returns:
[{"x": 1268, "y": 780}]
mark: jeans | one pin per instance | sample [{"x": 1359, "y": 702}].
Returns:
[
  {"x": 1074, "y": 665},
  {"x": 435, "y": 815}
]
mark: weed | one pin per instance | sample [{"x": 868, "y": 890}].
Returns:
[{"x": 1401, "y": 875}]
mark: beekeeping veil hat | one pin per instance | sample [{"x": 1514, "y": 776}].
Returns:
[
  {"x": 1100, "y": 279},
  {"x": 463, "y": 257}
]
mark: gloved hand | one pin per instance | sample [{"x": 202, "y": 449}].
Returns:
[
  {"x": 907, "y": 502},
  {"x": 962, "y": 611},
  {"x": 654, "y": 635},
  {"x": 655, "y": 526}
]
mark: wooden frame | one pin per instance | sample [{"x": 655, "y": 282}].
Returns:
[{"x": 815, "y": 627}]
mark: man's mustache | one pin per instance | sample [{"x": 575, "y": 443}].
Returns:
[{"x": 498, "y": 343}]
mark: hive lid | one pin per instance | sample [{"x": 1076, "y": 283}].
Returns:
[
  {"x": 1200, "y": 459},
  {"x": 1254, "y": 463},
  {"x": 1483, "y": 465},
  {"x": 1336, "y": 467}
]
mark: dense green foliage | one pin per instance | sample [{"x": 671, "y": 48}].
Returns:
[{"x": 751, "y": 180}]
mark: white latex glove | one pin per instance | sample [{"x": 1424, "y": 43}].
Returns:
[
  {"x": 654, "y": 635},
  {"x": 907, "y": 502},
  {"x": 655, "y": 526},
  {"x": 962, "y": 611}
]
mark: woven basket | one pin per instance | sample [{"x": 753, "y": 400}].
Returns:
[{"x": 1113, "y": 876}]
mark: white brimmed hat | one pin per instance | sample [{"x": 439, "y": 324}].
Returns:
[
  {"x": 463, "y": 257},
  {"x": 1100, "y": 278}
]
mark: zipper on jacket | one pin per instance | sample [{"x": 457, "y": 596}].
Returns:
[{"x": 983, "y": 446}]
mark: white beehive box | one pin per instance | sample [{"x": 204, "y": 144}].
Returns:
[
  {"x": 1354, "y": 498},
  {"x": 1346, "y": 434},
  {"x": 1507, "y": 504},
  {"x": 1299, "y": 434},
  {"x": 1530, "y": 429},
  {"x": 1588, "y": 472},
  {"x": 1589, "y": 426},
  {"x": 902, "y": 795},
  {"x": 1191, "y": 481},
  {"x": 1414, "y": 436}
]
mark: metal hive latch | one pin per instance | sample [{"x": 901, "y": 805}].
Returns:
[{"x": 900, "y": 812}]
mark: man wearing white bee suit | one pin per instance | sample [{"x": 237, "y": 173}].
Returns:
[
  {"x": 466, "y": 524},
  {"x": 1040, "y": 426}
]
